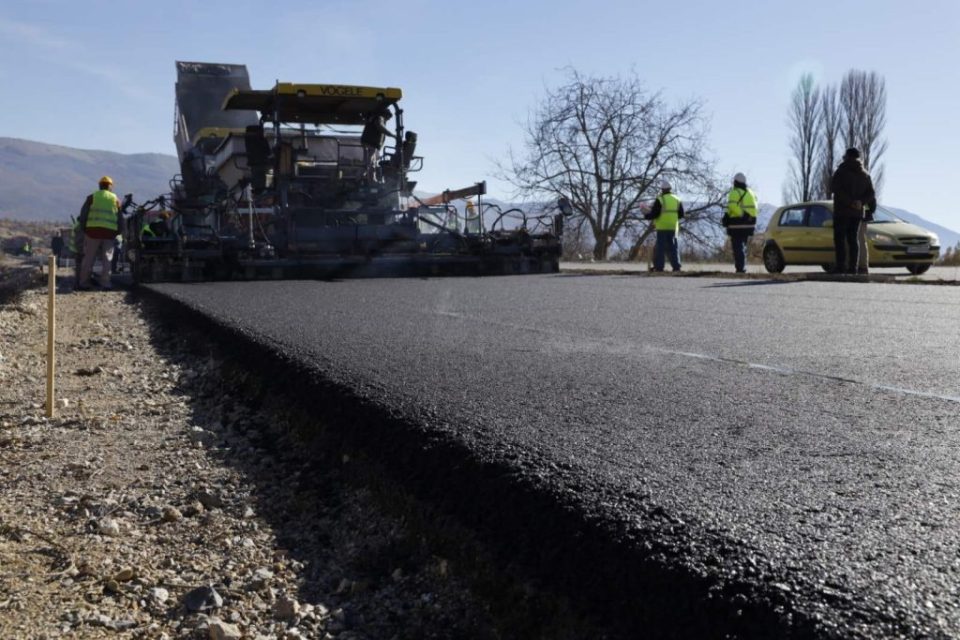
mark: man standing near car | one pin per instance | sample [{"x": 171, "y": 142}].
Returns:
[
  {"x": 853, "y": 199},
  {"x": 740, "y": 220},
  {"x": 666, "y": 212}
]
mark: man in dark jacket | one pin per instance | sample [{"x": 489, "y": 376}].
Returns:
[{"x": 854, "y": 201}]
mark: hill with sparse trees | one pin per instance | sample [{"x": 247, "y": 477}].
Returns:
[{"x": 40, "y": 181}]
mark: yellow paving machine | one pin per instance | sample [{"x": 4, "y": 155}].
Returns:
[{"x": 294, "y": 181}]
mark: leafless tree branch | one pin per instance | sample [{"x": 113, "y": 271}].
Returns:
[
  {"x": 605, "y": 143},
  {"x": 863, "y": 102},
  {"x": 805, "y": 118},
  {"x": 832, "y": 123}
]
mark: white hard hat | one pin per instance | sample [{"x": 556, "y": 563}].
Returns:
[
  {"x": 740, "y": 178},
  {"x": 665, "y": 185}
]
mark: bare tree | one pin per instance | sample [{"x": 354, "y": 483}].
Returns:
[
  {"x": 606, "y": 143},
  {"x": 575, "y": 240},
  {"x": 805, "y": 121},
  {"x": 831, "y": 119},
  {"x": 863, "y": 102}
]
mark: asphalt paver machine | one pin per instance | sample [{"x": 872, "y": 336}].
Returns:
[{"x": 277, "y": 183}]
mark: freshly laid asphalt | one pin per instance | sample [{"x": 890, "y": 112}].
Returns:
[{"x": 791, "y": 442}]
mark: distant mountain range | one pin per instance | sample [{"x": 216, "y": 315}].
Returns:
[{"x": 40, "y": 181}]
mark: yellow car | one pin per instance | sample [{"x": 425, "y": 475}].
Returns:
[{"x": 802, "y": 234}]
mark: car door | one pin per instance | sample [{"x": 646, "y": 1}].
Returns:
[
  {"x": 819, "y": 239},
  {"x": 792, "y": 234}
]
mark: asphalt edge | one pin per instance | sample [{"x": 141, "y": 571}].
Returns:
[{"x": 586, "y": 557}]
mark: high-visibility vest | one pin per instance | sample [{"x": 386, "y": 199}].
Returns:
[
  {"x": 669, "y": 218},
  {"x": 742, "y": 202},
  {"x": 103, "y": 211}
]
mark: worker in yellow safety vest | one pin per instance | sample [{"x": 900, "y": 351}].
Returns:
[
  {"x": 100, "y": 221},
  {"x": 740, "y": 219},
  {"x": 666, "y": 214}
]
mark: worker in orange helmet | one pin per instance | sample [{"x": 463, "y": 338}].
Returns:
[{"x": 100, "y": 221}]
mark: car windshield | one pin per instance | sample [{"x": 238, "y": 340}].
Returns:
[{"x": 882, "y": 214}]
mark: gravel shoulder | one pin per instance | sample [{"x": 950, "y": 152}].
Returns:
[{"x": 168, "y": 500}]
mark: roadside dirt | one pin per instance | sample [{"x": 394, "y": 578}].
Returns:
[{"x": 160, "y": 503}]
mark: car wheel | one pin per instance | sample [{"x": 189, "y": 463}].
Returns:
[
  {"x": 773, "y": 259},
  {"x": 917, "y": 269}
]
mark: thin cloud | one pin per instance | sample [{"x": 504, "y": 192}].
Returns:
[
  {"x": 69, "y": 54},
  {"x": 33, "y": 34}
]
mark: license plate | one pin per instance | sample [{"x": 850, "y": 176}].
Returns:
[{"x": 920, "y": 248}]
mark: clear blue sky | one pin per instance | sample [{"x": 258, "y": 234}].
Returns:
[{"x": 101, "y": 74}]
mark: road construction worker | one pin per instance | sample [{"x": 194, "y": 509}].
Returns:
[
  {"x": 854, "y": 200},
  {"x": 56, "y": 246},
  {"x": 471, "y": 218},
  {"x": 666, "y": 213},
  {"x": 863, "y": 251},
  {"x": 27, "y": 250},
  {"x": 100, "y": 221},
  {"x": 374, "y": 134},
  {"x": 740, "y": 220},
  {"x": 117, "y": 252}
]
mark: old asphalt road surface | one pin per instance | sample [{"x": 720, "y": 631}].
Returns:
[{"x": 783, "y": 452}]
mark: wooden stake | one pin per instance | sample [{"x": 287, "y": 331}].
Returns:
[{"x": 51, "y": 330}]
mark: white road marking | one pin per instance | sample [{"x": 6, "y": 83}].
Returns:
[{"x": 782, "y": 370}]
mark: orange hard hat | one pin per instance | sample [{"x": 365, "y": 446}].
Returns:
[{"x": 106, "y": 180}]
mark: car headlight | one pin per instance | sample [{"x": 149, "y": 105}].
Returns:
[
  {"x": 881, "y": 238},
  {"x": 934, "y": 240}
]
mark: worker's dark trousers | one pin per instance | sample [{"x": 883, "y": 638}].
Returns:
[
  {"x": 667, "y": 245},
  {"x": 738, "y": 242},
  {"x": 846, "y": 244}
]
